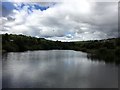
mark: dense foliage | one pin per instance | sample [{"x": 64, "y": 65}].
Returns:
[
  {"x": 12, "y": 43},
  {"x": 107, "y": 50}
]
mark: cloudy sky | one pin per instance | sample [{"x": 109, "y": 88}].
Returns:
[{"x": 65, "y": 21}]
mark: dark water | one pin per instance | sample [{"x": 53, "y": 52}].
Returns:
[{"x": 56, "y": 68}]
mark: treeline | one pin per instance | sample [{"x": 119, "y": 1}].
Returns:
[
  {"x": 17, "y": 43},
  {"x": 107, "y": 50},
  {"x": 104, "y": 50}
]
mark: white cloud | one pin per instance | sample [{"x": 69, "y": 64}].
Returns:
[{"x": 67, "y": 21}]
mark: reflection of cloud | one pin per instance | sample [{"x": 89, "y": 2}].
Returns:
[
  {"x": 65, "y": 21},
  {"x": 59, "y": 69}
]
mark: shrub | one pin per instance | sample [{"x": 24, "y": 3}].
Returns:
[{"x": 117, "y": 51}]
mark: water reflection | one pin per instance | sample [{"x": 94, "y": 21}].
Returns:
[
  {"x": 56, "y": 68},
  {"x": 113, "y": 59}
]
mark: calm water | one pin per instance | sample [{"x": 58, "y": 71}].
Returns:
[{"x": 56, "y": 68}]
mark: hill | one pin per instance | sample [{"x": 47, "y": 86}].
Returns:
[{"x": 107, "y": 49}]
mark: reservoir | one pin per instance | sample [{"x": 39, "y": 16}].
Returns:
[{"x": 56, "y": 69}]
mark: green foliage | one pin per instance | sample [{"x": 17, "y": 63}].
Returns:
[
  {"x": 106, "y": 50},
  {"x": 117, "y": 51},
  {"x": 102, "y": 50},
  {"x": 13, "y": 43}
]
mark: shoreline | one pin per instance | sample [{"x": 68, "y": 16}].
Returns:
[{"x": 106, "y": 50}]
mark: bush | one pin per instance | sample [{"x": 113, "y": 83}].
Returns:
[
  {"x": 102, "y": 50},
  {"x": 117, "y": 52}
]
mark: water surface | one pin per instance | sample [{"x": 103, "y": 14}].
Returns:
[{"x": 56, "y": 69}]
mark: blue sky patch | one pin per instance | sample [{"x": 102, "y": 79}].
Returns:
[
  {"x": 38, "y": 7},
  {"x": 8, "y": 7}
]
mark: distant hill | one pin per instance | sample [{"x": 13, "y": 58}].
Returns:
[
  {"x": 13, "y": 43},
  {"x": 107, "y": 49}
]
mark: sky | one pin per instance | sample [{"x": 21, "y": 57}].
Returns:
[{"x": 77, "y": 20}]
